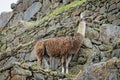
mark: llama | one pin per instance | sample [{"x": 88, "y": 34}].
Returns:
[{"x": 63, "y": 48}]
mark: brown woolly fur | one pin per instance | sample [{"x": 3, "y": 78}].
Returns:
[
  {"x": 39, "y": 48},
  {"x": 58, "y": 47}
]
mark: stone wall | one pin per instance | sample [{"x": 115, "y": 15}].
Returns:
[
  {"x": 30, "y": 10},
  {"x": 101, "y": 43}
]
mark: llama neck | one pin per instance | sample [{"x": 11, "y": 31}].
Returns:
[{"x": 82, "y": 28}]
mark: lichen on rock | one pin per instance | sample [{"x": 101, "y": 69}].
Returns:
[{"x": 98, "y": 57}]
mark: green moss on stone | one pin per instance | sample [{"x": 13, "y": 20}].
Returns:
[
  {"x": 118, "y": 15},
  {"x": 58, "y": 11},
  {"x": 108, "y": 47}
]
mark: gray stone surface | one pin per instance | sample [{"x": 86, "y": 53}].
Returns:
[
  {"x": 19, "y": 70},
  {"x": 91, "y": 33},
  {"x": 103, "y": 10},
  {"x": 109, "y": 32},
  {"x": 4, "y": 75},
  {"x": 85, "y": 53},
  {"x": 118, "y": 15},
  {"x": 116, "y": 53},
  {"x": 10, "y": 37},
  {"x": 115, "y": 11},
  {"x": 21, "y": 56},
  {"x": 112, "y": 7},
  {"x": 32, "y": 56},
  {"x": 18, "y": 16},
  {"x": 116, "y": 22},
  {"x": 111, "y": 17},
  {"x": 87, "y": 43},
  {"x": 39, "y": 76},
  {"x": 10, "y": 61},
  {"x": 118, "y": 5},
  {"x": 46, "y": 7},
  {"x": 104, "y": 47},
  {"x": 67, "y": 22},
  {"x": 32, "y": 10},
  {"x": 96, "y": 42},
  {"x": 20, "y": 7},
  {"x": 4, "y": 18},
  {"x": 97, "y": 71}
]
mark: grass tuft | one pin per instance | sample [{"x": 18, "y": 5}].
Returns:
[{"x": 57, "y": 11}]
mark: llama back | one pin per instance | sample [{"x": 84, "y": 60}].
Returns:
[{"x": 58, "y": 47}]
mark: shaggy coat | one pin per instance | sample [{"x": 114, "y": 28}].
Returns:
[{"x": 61, "y": 47}]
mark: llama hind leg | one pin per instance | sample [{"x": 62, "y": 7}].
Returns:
[
  {"x": 67, "y": 63},
  {"x": 46, "y": 65}
]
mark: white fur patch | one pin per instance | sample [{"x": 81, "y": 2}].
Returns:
[{"x": 81, "y": 28}]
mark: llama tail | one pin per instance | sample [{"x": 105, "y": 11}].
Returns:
[{"x": 39, "y": 52}]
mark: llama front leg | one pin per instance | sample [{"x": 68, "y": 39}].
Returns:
[
  {"x": 67, "y": 63},
  {"x": 63, "y": 68},
  {"x": 53, "y": 63}
]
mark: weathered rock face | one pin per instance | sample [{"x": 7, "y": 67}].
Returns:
[
  {"x": 116, "y": 53},
  {"x": 109, "y": 33},
  {"x": 4, "y": 18},
  {"x": 102, "y": 40},
  {"x": 32, "y": 10},
  {"x": 103, "y": 70}
]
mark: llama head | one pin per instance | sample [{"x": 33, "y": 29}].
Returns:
[{"x": 85, "y": 16}]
